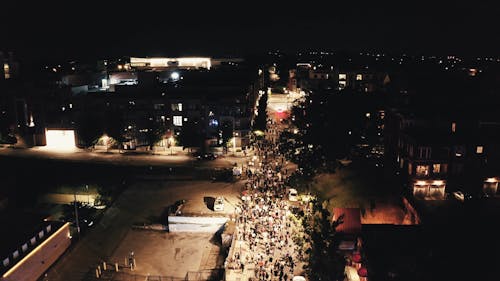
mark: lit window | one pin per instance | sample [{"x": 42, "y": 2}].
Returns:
[
  {"x": 6, "y": 70},
  {"x": 359, "y": 77},
  {"x": 453, "y": 127},
  {"x": 479, "y": 149},
  {"x": 342, "y": 84},
  {"x": 436, "y": 168},
  {"x": 342, "y": 76},
  {"x": 185, "y": 119},
  {"x": 422, "y": 170},
  {"x": 177, "y": 107},
  {"x": 177, "y": 120}
]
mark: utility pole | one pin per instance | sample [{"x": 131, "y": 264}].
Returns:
[
  {"x": 88, "y": 194},
  {"x": 76, "y": 217}
]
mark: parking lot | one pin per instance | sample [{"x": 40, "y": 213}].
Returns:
[{"x": 156, "y": 253}]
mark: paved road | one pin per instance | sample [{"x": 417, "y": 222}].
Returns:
[{"x": 114, "y": 157}]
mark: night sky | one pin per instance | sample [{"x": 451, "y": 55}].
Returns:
[{"x": 97, "y": 30}]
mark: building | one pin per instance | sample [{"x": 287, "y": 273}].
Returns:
[
  {"x": 440, "y": 150},
  {"x": 9, "y": 67},
  {"x": 181, "y": 100},
  {"x": 30, "y": 245}
]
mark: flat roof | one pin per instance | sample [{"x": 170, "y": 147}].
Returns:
[
  {"x": 17, "y": 228},
  {"x": 351, "y": 218}
]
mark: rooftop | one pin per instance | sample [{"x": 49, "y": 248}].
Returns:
[{"x": 18, "y": 228}]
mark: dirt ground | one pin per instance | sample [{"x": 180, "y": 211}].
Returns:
[{"x": 157, "y": 253}]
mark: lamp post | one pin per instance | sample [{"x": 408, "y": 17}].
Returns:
[
  {"x": 76, "y": 217},
  {"x": 88, "y": 194},
  {"x": 171, "y": 143}
]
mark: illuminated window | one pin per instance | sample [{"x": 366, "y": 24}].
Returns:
[
  {"x": 159, "y": 106},
  {"x": 453, "y": 127},
  {"x": 436, "y": 168},
  {"x": 177, "y": 120},
  {"x": 342, "y": 76},
  {"x": 213, "y": 123},
  {"x": 342, "y": 84},
  {"x": 177, "y": 107},
  {"x": 6, "y": 70},
  {"x": 422, "y": 170},
  {"x": 410, "y": 168},
  {"x": 359, "y": 77},
  {"x": 479, "y": 149}
]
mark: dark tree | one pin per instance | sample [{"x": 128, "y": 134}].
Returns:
[
  {"x": 227, "y": 132},
  {"x": 156, "y": 132},
  {"x": 89, "y": 128},
  {"x": 325, "y": 262},
  {"x": 191, "y": 135},
  {"x": 115, "y": 127},
  {"x": 261, "y": 119}
]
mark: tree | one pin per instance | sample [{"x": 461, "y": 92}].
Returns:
[
  {"x": 155, "y": 133},
  {"x": 89, "y": 128},
  {"x": 325, "y": 262},
  {"x": 191, "y": 135},
  {"x": 114, "y": 127},
  {"x": 227, "y": 132},
  {"x": 261, "y": 119}
]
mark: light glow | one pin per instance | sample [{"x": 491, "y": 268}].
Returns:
[
  {"x": 438, "y": 182},
  {"x": 491, "y": 180},
  {"x": 60, "y": 139},
  {"x": 182, "y": 62},
  {"x": 421, "y": 183},
  {"x": 175, "y": 76},
  {"x": 35, "y": 250}
]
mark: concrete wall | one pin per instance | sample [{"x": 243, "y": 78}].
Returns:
[
  {"x": 33, "y": 265},
  {"x": 195, "y": 224}
]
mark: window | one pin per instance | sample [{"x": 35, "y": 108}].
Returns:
[
  {"x": 453, "y": 127},
  {"x": 422, "y": 170},
  {"x": 159, "y": 106},
  {"x": 177, "y": 107},
  {"x": 342, "y": 76},
  {"x": 410, "y": 168},
  {"x": 359, "y": 77},
  {"x": 6, "y": 70},
  {"x": 436, "y": 168},
  {"x": 177, "y": 120},
  {"x": 424, "y": 152},
  {"x": 479, "y": 149}
]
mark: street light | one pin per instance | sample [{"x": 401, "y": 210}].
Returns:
[
  {"x": 88, "y": 194},
  {"x": 171, "y": 143}
]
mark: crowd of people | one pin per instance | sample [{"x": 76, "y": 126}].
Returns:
[{"x": 264, "y": 229}]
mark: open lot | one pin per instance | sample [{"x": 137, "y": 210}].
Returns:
[{"x": 146, "y": 201}]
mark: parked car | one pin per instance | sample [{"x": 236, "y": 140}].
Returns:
[
  {"x": 205, "y": 156},
  {"x": 219, "y": 204},
  {"x": 459, "y": 195},
  {"x": 292, "y": 194},
  {"x": 462, "y": 196}
]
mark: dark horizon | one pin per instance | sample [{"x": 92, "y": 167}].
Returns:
[{"x": 89, "y": 30}]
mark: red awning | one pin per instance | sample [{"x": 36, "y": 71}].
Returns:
[{"x": 363, "y": 272}]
